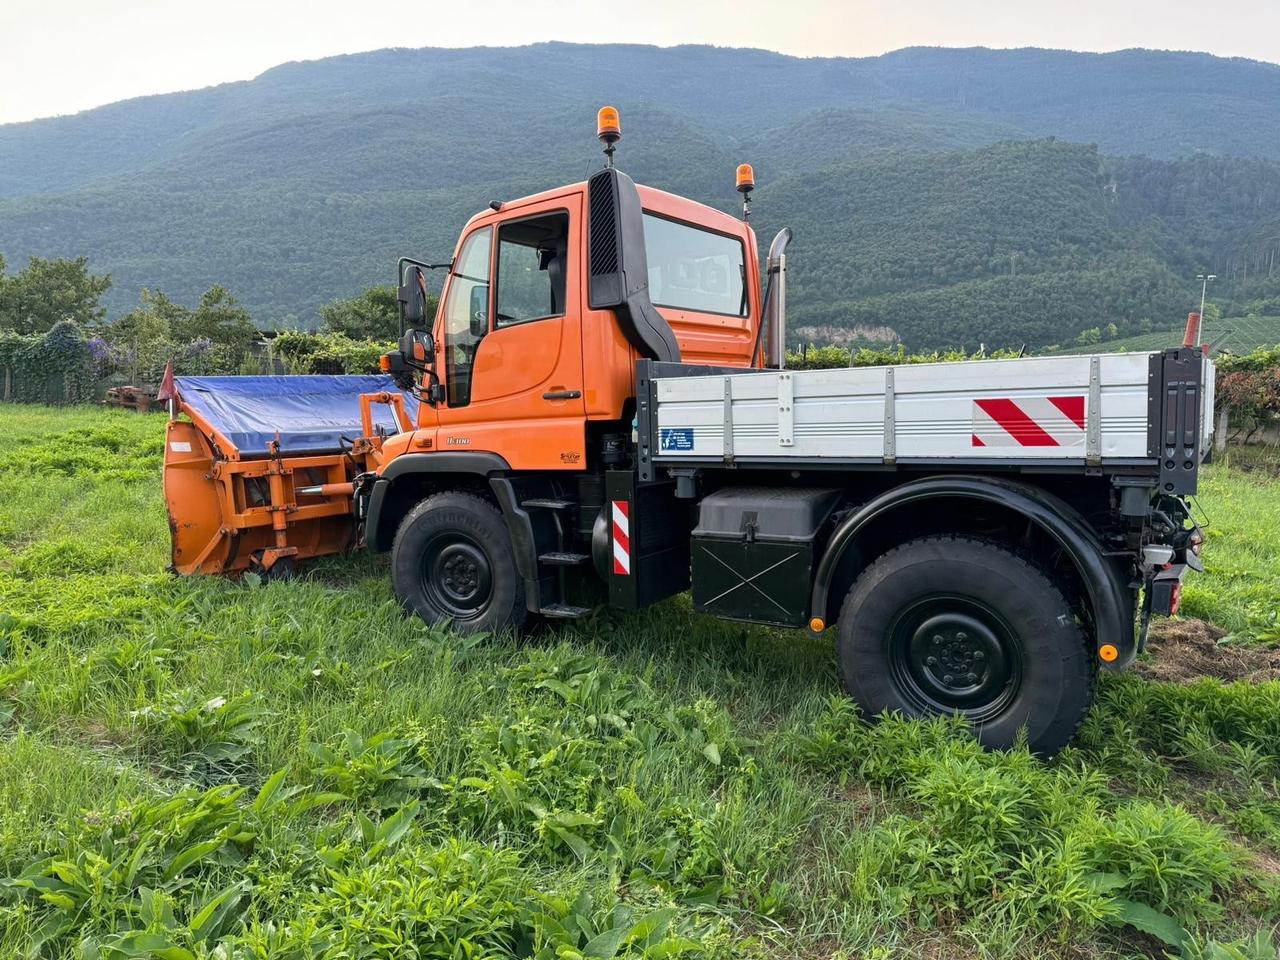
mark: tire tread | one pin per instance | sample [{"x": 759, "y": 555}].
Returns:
[
  {"x": 1033, "y": 571},
  {"x": 467, "y": 502}
]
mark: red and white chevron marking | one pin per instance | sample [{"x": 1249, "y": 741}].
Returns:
[
  {"x": 621, "y": 537},
  {"x": 1028, "y": 422}
]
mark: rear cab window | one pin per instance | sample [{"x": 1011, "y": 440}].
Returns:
[{"x": 692, "y": 268}]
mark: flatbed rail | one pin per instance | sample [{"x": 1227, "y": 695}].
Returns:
[{"x": 1111, "y": 413}]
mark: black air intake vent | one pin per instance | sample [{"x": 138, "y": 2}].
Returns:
[
  {"x": 617, "y": 268},
  {"x": 602, "y": 230}
]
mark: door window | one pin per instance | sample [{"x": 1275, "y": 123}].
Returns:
[
  {"x": 531, "y": 269},
  {"x": 466, "y": 314}
]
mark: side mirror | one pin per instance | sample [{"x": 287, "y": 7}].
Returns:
[
  {"x": 412, "y": 298},
  {"x": 479, "y": 311},
  {"x": 418, "y": 348}
]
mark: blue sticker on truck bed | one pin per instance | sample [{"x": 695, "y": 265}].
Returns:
[{"x": 675, "y": 439}]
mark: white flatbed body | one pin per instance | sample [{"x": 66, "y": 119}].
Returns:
[{"x": 1099, "y": 410}]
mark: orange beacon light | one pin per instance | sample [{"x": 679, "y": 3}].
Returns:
[
  {"x": 608, "y": 127},
  {"x": 746, "y": 182}
]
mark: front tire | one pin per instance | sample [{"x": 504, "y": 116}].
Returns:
[
  {"x": 452, "y": 562},
  {"x": 957, "y": 626}
]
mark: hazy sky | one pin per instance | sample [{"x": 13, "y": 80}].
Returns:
[{"x": 60, "y": 56}]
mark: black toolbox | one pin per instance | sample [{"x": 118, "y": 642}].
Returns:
[{"x": 753, "y": 552}]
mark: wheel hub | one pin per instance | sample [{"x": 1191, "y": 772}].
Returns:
[
  {"x": 461, "y": 575},
  {"x": 457, "y": 576},
  {"x": 959, "y": 658},
  {"x": 952, "y": 655}
]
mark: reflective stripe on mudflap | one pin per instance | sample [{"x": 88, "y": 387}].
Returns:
[{"x": 621, "y": 537}]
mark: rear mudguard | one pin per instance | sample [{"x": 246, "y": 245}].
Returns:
[{"x": 1111, "y": 598}]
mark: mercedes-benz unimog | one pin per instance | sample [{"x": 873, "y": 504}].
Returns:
[{"x": 599, "y": 413}]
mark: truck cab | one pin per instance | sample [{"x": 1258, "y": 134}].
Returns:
[{"x": 526, "y": 361}]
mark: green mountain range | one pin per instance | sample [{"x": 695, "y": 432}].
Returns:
[{"x": 944, "y": 197}]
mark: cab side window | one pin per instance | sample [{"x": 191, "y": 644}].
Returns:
[
  {"x": 466, "y": 314},
  {"x": 532, "y": 255}
]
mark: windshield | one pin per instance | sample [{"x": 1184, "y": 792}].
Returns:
[{"x": 466, "y": 314}]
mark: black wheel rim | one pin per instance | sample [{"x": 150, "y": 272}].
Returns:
[
  {"x": 456, "y": 576},
  {"x": 955, "y": 655}
]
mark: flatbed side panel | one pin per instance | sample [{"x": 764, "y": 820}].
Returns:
[{"x": 1026, "y": 409}]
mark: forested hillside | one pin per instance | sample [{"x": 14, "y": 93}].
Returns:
[
  {"x": 944, "y": 197},
  {"x": 1022, "y": 242}
]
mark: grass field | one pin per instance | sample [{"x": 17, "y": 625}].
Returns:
[
  {"x": 204, "y": 768},
  {"x": 1239, "y": 335}
]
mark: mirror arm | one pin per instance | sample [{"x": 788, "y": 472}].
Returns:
[{"x": 411, "y": 262}]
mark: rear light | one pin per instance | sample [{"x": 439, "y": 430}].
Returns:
[
  {"x": 1195, "y": 542},
  {"x": 384, "y": 363},
  {"x": 1176, "y": 602}
]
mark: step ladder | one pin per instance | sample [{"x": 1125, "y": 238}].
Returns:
[{"x": 556, "y": 557}]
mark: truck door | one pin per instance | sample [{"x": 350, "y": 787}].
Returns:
[{"x": 512, "y": 341}]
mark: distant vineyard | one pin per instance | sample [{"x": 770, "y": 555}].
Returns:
[{"x": 1235, "y": 334}]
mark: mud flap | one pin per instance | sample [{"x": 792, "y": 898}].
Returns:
[{"x": 649, "y": 541}]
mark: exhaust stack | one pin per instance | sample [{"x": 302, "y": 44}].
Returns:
[{"x": 775, "y": 302}]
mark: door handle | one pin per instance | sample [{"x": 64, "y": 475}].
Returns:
[{"x": 562, "y": 395}]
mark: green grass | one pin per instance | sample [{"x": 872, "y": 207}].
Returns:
[
  {"x": 205, "y": 768},
  {"x": 1239, "y": 335},
  {"x": 1239, "y": 511}
]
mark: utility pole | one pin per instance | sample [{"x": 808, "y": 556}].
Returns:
[{"x": 1204, "y": 279}]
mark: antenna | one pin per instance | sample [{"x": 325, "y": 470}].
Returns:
[{"x": 608, "y": 132}]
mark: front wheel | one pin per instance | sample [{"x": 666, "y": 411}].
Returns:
[
  {"x": 957, "y": 626},
  {"x": 452, "y": 562}
]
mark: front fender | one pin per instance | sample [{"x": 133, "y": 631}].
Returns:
[
  {"x": 378, "y": 534},
  {"x": 1110, "y": 597}
]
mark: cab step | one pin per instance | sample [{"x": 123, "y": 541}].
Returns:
[
  {"x": 559, "y": 558},
  {"x": 548, "y": 503},
  {"x": 562, "y": 611}
]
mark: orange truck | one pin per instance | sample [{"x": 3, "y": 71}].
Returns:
[{"x": 599, "y": 414}]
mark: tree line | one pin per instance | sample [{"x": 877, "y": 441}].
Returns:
[{"x": 57, "y": 345}]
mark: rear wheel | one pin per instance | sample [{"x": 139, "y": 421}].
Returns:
[
  {"x": 452, "y": 562},
  {"x": 957, "y": 626}
]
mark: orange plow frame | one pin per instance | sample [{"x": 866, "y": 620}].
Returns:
[{"x": 228, "y": 514}]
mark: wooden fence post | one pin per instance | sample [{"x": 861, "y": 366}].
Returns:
[{"x": 1220, "y": 432}]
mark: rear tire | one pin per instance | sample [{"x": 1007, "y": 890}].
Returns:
[
  {"x": 957, "y": 626},
  {"x": 452, "y": 562}
]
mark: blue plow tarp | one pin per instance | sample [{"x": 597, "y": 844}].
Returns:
[{"x": 308, "y": 414}]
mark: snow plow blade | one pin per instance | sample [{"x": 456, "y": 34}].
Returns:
[{"x": 259, "y": 472}]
